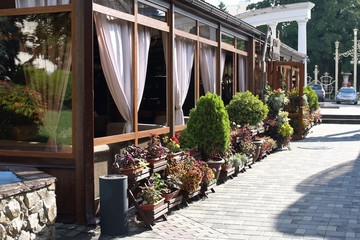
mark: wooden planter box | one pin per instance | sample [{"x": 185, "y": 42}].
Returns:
[
  {"x": 227, "y": 172},
  {"x": 174, "y": 201},
  {"x": 155, "y": 211},
  {"x": 209, "y": 187},
  {"x": 157, "y": 165}
]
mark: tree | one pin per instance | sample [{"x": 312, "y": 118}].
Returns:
[
  {"x": 222, "y": 6},
  {"x": 330, "y": 21}
]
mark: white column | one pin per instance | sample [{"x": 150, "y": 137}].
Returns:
[
  {"x": 273, "y": 29},
  {"x": 302, "y": 36},
  {"x": 336, "y": 66},
  {"x": 302, "y": 44},
  {"x": 355, "y": 57}
]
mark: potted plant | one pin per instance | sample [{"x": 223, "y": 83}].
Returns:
[
  {"x": 245, "y": 108},
  {"x": 209, "y": 126},
  {"x": 155, "y": 151},
  {"x": 173, "y": 145},
  {"x": 276, "y": 100},
  {"x": 131, "y": 161},
  {"x": 241, "y": 142},
  {"x": 239, "y": 161},
  {"x": 151, "y": 197},
  {"x": 169, "y": 188}
]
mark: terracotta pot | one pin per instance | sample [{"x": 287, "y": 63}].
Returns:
[
  {"x": 257, "y": 150},
  {"x": 226, "y": 167},
  {"x": 127, "y": 170},
  {"x": 151, "y": 207},
  {"x": 170, "y": 196}
]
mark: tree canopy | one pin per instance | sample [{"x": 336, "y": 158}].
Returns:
[{"x": 331, "y": 20}]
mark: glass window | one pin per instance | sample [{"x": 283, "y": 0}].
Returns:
[
  {"x": 227, "y": 39},
  {"x": 121, "y": 5},
  {"x": 347, "y": 90},
  {"x": 37, "y": 3},
  {"x": 152, "y": 12},
  {"x": 35, "y": 82},
  {"x": 227, "y": 83},
  {"x": 185, "y": 24},
  {"x": 207, "y": 32},
  {"x": 241, "y": 44}
]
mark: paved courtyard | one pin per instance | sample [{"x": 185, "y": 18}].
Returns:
[{"x": 309, "y": 192}]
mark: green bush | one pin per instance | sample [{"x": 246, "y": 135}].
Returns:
[
  {"x": 311, "y": 98},
  {"x": 245, "y": 108},
  {"x": 209, "y": 125}
]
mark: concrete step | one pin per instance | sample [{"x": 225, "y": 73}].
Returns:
[
  {"x": 341, "y": 121},
  {"x": 332, "y": 116}
]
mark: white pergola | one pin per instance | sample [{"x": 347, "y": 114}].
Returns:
[{"x": 299, "y": 12}]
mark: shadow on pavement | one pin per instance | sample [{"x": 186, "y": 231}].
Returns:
[{"x": 330, "y": 206}]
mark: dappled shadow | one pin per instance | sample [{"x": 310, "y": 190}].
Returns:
[{"x": 330, "y": 207}]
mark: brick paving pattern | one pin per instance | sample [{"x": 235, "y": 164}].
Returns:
[{"x": 309, "y": 192}]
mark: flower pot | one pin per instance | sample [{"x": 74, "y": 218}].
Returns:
[
  {"x": 170, "y": 196},
  {"x": 151, "y": 207},
  {"x": 216, "y": 163},
  {"x": 257, "y": 150},
  {"x": 172, "y": 155},
  {"x": 226, "y": 167},
  {"x": 127, "y": 170}
]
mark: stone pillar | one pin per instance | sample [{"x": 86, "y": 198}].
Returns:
[
  {"x": 273, "y": 29},
  {"x": 302, "y": 44},
  {"x": 316, "y": 72},
  {"x": 336, "y": 66}
]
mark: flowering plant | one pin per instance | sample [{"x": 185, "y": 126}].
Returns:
[
  {"x": 268, "y": 144},
  {"x": 132, "y": 158},
  {"x": 276, "y": 100},
  {"x": 172, "y": 143},
  {"x": 155, "y": 149},
  {"x": 241, "y": 141},
  {"x": 187, "y": 172},
  {"x": 208, "y": 175},
  {"x": 150, "y": 195}
]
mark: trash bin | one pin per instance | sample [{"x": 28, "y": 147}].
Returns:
[{"x": 113, "y": 205}]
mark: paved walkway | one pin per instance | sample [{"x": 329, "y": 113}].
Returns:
[{"x": 309, "y": 192}]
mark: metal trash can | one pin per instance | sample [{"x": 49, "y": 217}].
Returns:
[{"x": 113, "y": 205}]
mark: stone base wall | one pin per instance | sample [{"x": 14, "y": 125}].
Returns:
[{"x": 28, "y": 208}]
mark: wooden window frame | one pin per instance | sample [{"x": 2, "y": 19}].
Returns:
[{"x": 44, "y": 10}]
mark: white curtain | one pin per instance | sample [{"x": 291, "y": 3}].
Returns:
[
  {"x": 184, "y": 51},
  {"x": 115, "y": 46},
  {"x": 242, "y": 73},
  {"x": 144, "y": 38},
  {"x": 222, "y": 64},
  {"x": 208, "y": 67},
  {"x": 39, "y": 3}
]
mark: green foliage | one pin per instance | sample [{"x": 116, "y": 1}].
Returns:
[
  {"x": 311, "y": 98},
  {"x": 20, "y": 105},
  {"x": 209, "y": 125},
  {"x": 245, "y": 108},
  {"x": 329, "y": 22},
  {"x": 186, "y": 140},
  {"x": 276, "y": 100},
  {"x": 222, "y": 7},
  {"x": 286, "y": 130}
]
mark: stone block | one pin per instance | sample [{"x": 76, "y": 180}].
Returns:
[
  {"x": 42, "y": 216},
  {"x": 3, "y": 203},
  {"x": 50, "y": 207},
  {"x": 31, "y": 198},
  {"x": 36, "y": 208},
  {"x": 42, "y": 193},
  {"x": 9, "y": 238},
  {"x": 33, "y": 222},
  {"x": 24, "y": 209},
  {"x": 14, "y": 227},
  {"x": 2, "y": 232},
  {"x": 12, "y": 210},
  {"x": 51, "y": 187},
  {"x": 24, "y": 235},
  {"x": 4, "y": 219}
]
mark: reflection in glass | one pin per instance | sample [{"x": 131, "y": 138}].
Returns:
[
  {"x": 35, "y": 82},
  {"x": 227, "y": 39},
  {"x": 185, "y": 24},
  {"x": 207, "y": 32},
  {"x": 151, "y": 12},
  {"x": 41, "y": 3},
  {"x": 241, "y": 44},
  {"x": 121, "y": 5}
]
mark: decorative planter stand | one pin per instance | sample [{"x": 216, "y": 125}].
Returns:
[
  {"x": 174, "y": 202},
  {"x": 187, "y": 196},
  {"x": 157, "y": 165},
  {"x": 226, "y": 172},
  {"x": 206, "y": 188},
  {"x": 257, "y": 151},
  {"x": 154, "y": 211}
]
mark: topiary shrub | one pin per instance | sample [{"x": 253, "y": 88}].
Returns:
[
  {"x": 209, "y": 125},
  {"x": 311, "y": 98},
  {"x": 245, "y": 108}
]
